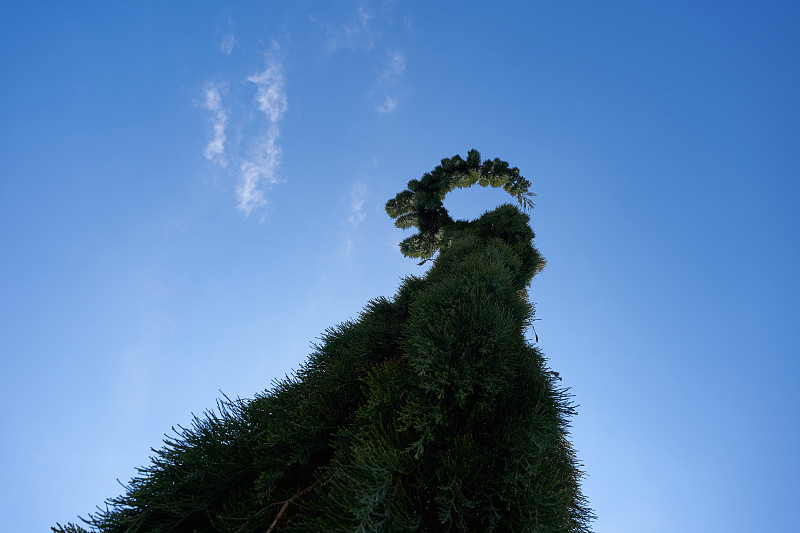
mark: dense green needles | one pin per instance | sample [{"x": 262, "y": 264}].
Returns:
[{"x": 431, "y": 412}]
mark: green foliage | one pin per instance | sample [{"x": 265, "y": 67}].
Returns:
[
  {"x": 431, "y": 412},
  {"x": 420, "y": 205}
]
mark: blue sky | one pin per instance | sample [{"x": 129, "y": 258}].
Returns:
[{"x": 191, "y": 193}]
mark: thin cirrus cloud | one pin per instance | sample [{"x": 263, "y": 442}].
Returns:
[
  {"x": 395, "y": 66},
  {"x": 357, "y": 34},
  {"x": 271, "y": 92},
  {"x": 388, "y": 105},
  {"x": 259, "y": 171},
  {"x": 358, "y": 196},
  {"x": 360, "y": 34},
  {"x": 227, "y": 44},
  {"x": 215, "y": 149},
  {"x": 258, "y": 162}
]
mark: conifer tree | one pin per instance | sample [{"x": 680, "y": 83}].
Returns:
[{"x": 430, "y": 412}]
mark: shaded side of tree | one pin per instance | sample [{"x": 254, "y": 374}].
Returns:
[{"x": 430, "y": 412}]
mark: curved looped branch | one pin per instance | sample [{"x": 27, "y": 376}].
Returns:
[{"x": 421, "y": 204}]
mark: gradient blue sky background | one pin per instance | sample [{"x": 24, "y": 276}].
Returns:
[{"x": 192, "y": 192}]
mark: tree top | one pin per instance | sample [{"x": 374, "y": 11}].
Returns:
[{"x": 421, "y": 204}]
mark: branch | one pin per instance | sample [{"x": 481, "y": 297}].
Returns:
[{"x": 285, "y": 504}]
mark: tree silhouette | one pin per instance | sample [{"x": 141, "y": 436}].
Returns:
[{"x": 430, "y": 412}]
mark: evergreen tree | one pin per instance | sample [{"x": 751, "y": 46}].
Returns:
[{"x": 431, "y": 412}]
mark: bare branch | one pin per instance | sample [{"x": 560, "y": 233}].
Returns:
[{"x": 285, "y": 504}]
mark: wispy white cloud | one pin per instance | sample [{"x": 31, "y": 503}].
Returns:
[
  {"x": 393, "y": 69},
  {"x": 358, "y": 195},
  {"x": 246, "y": 133},
  {"x": 215, "y": 149},
  {"x": 227, "y": 44},
  {"x": 259, "y": 171},
  {"x": 388, "y": 106},
  {"x": 271, "y": 92},
  {"x": 373, "y": 22},
  {"x": 357, "y": 214},
  {"x": 358, "y": 33}
]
